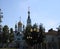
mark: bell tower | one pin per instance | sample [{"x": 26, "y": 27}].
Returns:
[{"x": 28, "y": 20}]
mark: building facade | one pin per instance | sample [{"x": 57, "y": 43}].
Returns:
[{"x": 52, "y": 39}]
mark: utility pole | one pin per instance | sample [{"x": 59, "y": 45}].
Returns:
[{"x": 1, "y": 16}]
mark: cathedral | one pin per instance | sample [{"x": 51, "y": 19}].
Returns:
[
  {"x": 19, "y": 31},
  {"x": 51, "y": 40}
]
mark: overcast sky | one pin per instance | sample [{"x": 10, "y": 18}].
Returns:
[{"x": 41, "y": 11}]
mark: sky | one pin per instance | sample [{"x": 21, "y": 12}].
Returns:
[{"x": 46, "y": 12}]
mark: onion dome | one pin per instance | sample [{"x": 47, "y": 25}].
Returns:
[{"x": 19, "y": 23}]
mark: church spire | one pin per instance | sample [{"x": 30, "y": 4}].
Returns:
[
  {"x": 28, "y": 20},
  {"x": 28, "y": 12}
]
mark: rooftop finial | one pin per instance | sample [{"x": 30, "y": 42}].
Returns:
[
  {"x": 28, "y": 8},
  {"x": 20, "y": 18}
]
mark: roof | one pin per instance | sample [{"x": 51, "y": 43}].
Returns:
[
  {"x": 51, "y": 32},
  {"x": 19, "y": 23}
]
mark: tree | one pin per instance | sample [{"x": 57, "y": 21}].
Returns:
[
  {"x": 42, "y": 32},
  {"x": 41, "y": 39},
  {"x": 5, "y": 34},
  {"x": 35, "y": 33},
  {"x": 31, "y": 36},
  {"x": 11, "y": 35},
  {"x": 27, "y": 35}
]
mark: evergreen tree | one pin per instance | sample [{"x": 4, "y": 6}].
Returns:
[
  {"x": 42, "y": 32},
  {"x": 11, "y": 35},
  {"x": 41, "y": 39},
  {"x": 5, "y": 34},
  {"x": 27, "y": 34},
  {"x": 35, "y": 34}
]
